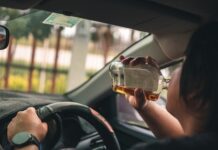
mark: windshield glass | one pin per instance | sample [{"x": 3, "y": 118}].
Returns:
[{"x": 53, "y": 53}]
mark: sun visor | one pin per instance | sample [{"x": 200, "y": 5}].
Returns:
[{"x": 173, "y": 45}]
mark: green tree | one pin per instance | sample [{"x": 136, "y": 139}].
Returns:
[
  {"x": 15, "y": 22},
  {"x": 35, "y": 26},
  {"x": 17, "y": 28},
  {"x": 21, "y": 25}
]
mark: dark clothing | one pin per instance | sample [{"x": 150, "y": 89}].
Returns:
[{"x": 197, "y": 142}]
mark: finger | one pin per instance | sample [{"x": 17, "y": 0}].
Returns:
[
  {"x": 9, "y": 135},
  {"x": 140, "y": 98},
  {"x": 10, "y": 127},
  {"x": 20, "y": 113},
  {"x": 122, "y": 57},
  {"x": 130, "y": 98},
  {"x": 133, "y": 102},
  {"x": 152, "y": 62},
  {"x": 30, "y": 110},
  {"x": 127, "y": 60},
  {"x": 45, "y": 126},
  {"x": 41, "y": 135},
  {"x": 13, "y": 119},
  {"x": 137, "y": 61},
  {"x": 126, "y": 96}
]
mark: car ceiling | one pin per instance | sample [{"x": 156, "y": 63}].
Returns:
[{"x": 154, "y": 16}]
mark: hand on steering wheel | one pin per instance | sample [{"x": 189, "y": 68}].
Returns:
[{"x": 29, "y": 121}]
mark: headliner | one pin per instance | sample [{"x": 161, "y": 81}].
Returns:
[{"x": 155, "y": 16}]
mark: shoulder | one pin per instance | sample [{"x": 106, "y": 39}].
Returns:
[{"x": 200, "y": 142}]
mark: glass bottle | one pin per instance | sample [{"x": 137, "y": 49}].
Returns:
[{"x": 126, "y": 78}]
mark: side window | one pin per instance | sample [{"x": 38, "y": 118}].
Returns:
[{"x": 127, "y": 114}]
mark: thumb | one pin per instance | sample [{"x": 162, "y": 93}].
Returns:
[
  {"x": 45, "y": 126},
  {"x": 140, "y": 98},
  {"x": 43, "y": 132},
  {"x": 122, "y": 57}
]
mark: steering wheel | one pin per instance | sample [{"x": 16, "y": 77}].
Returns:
[{"x": 99, "y": 122}]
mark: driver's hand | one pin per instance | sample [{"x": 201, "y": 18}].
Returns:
[
  {"x": 138, "y": 101},
  {"x": 139, "y": 61},
  {"x": 28, "y": 121}
]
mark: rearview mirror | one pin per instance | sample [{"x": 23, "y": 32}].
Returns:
[{"x": 4, "y": 37}]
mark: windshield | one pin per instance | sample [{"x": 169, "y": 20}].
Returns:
[{"x": 53, "y": 53}]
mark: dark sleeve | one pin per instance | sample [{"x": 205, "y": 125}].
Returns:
[
  {"x": 159, "y": 145},
  {"x": 198, "y": 142}
]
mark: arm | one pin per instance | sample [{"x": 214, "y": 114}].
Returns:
[
  {"x": 159, "y": 120},
  {"x": 27, "y": 121},
  {"x": 32, "y": 147}
]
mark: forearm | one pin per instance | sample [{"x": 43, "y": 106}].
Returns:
[
  {"x": 30, "y": 147},
  {"x": 161, "y": 122}
]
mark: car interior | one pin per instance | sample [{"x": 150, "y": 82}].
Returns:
[{"x": 91, "y": 116}]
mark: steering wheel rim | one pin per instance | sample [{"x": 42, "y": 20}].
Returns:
[{"x": 99, "y": 122}]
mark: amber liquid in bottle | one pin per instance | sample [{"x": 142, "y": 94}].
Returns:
[{"x": 130, "y": 91}]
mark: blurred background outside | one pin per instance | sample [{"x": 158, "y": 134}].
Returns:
[{"x": 53, "y": 59}]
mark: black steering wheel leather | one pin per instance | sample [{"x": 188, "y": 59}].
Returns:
[{"x": 99, "y": 122}]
